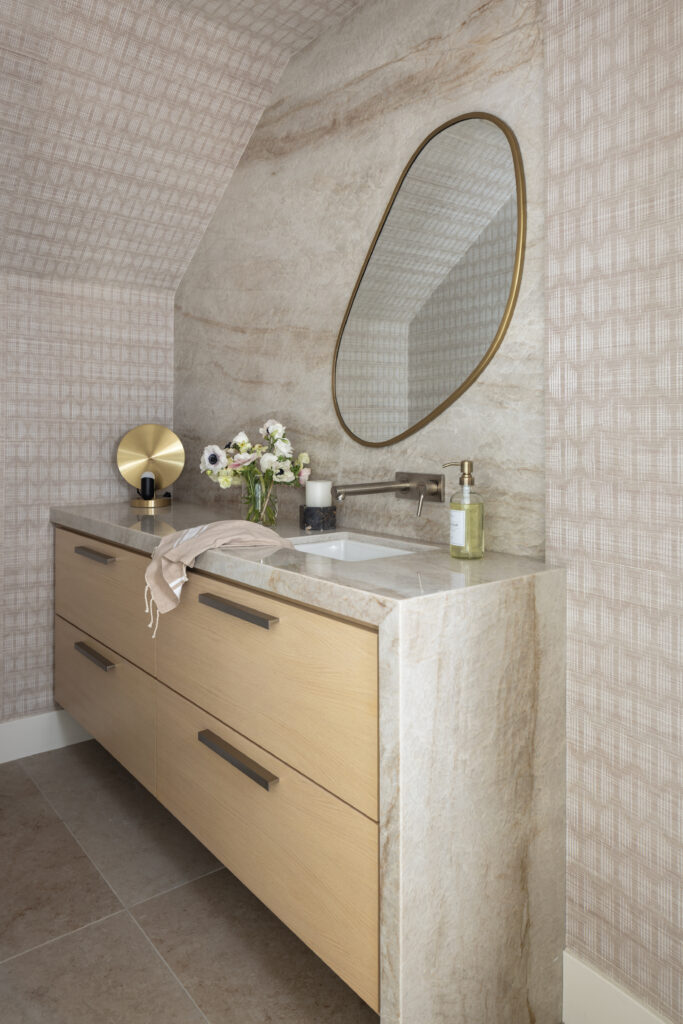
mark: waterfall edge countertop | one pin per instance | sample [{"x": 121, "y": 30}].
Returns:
[{"x": 366, "y": 591}]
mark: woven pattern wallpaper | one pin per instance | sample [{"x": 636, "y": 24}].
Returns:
[
  {"x": 452, "y": 332},
  {"x": 453, "y": 189},
  {"x": 287, "y": 24},
  {"x": 615, "y": 474},
  {"x": 74, "y": 376},
  {"x": 372, "y": 377},
  {"x": 120, "y": 126}
]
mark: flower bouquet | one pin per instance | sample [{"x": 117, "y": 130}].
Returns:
[{"x": 258, "y": 467}]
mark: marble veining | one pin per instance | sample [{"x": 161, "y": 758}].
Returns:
[
  {"x": 471, "y": 760},
  {"x": 259, "y": 308},
  {"x": 363, "y": 590}
]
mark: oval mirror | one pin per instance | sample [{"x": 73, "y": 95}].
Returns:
[{"x": 436, "y": 292}]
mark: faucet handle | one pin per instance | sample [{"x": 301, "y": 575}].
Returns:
[
  {"x": 423, "y": 486},
  {"x": 422, "y": 491}
]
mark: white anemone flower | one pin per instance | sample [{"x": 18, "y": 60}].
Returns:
[
  {"x": 213, "y": 458},
  {"x": 239, "y": 441},
  {"x": 272, "y": 429},
  {"x": 268, "y": 462},
  {"x": 283, "y": 473},
  {"x": 283, "y": 448}
]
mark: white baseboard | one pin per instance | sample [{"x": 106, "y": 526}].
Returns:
[
  {"x": 36, "y": 733},
  {"x": 591, "y": 998}
]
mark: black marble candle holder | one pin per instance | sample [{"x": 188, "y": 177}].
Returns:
[{"x": 317, "y": 518}]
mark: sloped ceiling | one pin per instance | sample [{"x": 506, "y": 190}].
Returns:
[{"x": 121, "y": 123}]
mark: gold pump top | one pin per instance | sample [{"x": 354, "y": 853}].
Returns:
[{"x": 466, "y": 467}]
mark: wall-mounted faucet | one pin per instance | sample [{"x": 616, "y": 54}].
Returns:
[{"x": 419, "y": 487}]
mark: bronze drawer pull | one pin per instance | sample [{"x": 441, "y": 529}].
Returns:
[
  {"x": 96, "y": 556},
  {"x": 104, "y": 663},
  {"x": 240, "y": 761},
  {"x": 239, "y": 611}
]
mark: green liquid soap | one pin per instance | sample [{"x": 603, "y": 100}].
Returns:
[{"x": 466, "y": 517}]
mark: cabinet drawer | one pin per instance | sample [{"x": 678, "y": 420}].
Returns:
[
  {"x": 112, "y": 699},
  {"x": 311, "y": 858},
  {"x": 101, "y": 588},
  {"x": 305, "y": 687}
]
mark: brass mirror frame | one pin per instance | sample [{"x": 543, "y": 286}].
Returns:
[{"x": 512, "y": 296}]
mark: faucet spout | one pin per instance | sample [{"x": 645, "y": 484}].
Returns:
[
  {"x": 341, "y": 491},
  {"x": 419, "y": 486}
]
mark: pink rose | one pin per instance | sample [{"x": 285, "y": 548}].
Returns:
[{"x": 303, "y": 476}]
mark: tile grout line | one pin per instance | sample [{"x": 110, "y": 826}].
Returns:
[
  {"x": 124, "y": 908},
  {"x": 124, "y": 905},
  {"x": 172, "y": 888},
  {"x": 64, "y": 935},
  {"x": 76, "y": 840},
  {"x": 168, "y": 966}
]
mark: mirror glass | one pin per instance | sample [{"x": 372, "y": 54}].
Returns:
[{"x": 438, "y": 286}]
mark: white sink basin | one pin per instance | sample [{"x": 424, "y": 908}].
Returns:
[{"x": 349, "y": 547}]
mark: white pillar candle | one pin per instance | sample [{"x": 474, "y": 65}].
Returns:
[{"x": 318, "y": 493}]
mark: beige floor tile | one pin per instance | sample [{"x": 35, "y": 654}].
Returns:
[
  {"x": 47, "y": 884},
  {"x": 104, "y": 974},
  {"x": 239, "y": 962},
  {"x": 138, "y": 846}
]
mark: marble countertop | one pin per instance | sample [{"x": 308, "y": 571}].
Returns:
[{"x": 365, "y": 591}]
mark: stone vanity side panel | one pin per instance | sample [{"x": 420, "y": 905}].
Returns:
[
  {"x": 259, "y": 308},
  {"x": 615, "y": 475},
  {"x": 480, "y": 799}
]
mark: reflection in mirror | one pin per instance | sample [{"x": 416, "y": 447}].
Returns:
[{"x": 438, "y": 287}]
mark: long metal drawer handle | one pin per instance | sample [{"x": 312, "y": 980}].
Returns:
[
  {"x": 240, "y": 761},
  {"x": 104, "y": 663},
  {"x": 96, "y": 556},
  {"x": 238, "y": 610}
]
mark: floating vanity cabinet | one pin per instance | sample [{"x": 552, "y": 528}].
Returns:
[
  {"x": 376, "y": 749},
  {"x": 112, "y": 699},
  {"x": 300, "y": 684},
  {"x": 310, "y": 857},
  {"x": 258, "y": 732},
  {"x": 100, "y": 588},
  {"x": 104, "y": 653}
]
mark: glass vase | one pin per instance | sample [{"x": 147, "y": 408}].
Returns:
[{"x": 260, "y": 501}]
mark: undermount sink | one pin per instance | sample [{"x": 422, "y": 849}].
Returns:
[{"x": 350, "y": 547}]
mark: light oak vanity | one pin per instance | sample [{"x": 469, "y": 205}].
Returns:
[{"x": 375, "y": 750}]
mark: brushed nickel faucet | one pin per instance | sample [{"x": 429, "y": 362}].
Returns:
[{"x": 419, "y": 487}]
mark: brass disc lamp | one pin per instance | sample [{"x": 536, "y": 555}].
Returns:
[{"x": 150, "y": 458}]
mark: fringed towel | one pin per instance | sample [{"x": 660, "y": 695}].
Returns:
[{"x": 166, "y": 572}]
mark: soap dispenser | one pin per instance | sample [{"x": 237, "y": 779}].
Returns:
[{"x": 467, "y": 516}]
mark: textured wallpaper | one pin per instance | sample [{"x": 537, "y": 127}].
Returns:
[
  {"x": 452, "y": 190},
  {"x": 372, "y": 377},
  {"x": 615, "y": 474},
  {"x": 120, "y": 125},
  {"x": 288, "y": 24},
  {"x": 390, "y": 374},
  {"x": 79, "y": 364},
  {"x": 453, "y": 330}
]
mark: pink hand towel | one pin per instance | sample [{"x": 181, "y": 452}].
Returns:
[{"x": 176, "y": 553}]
